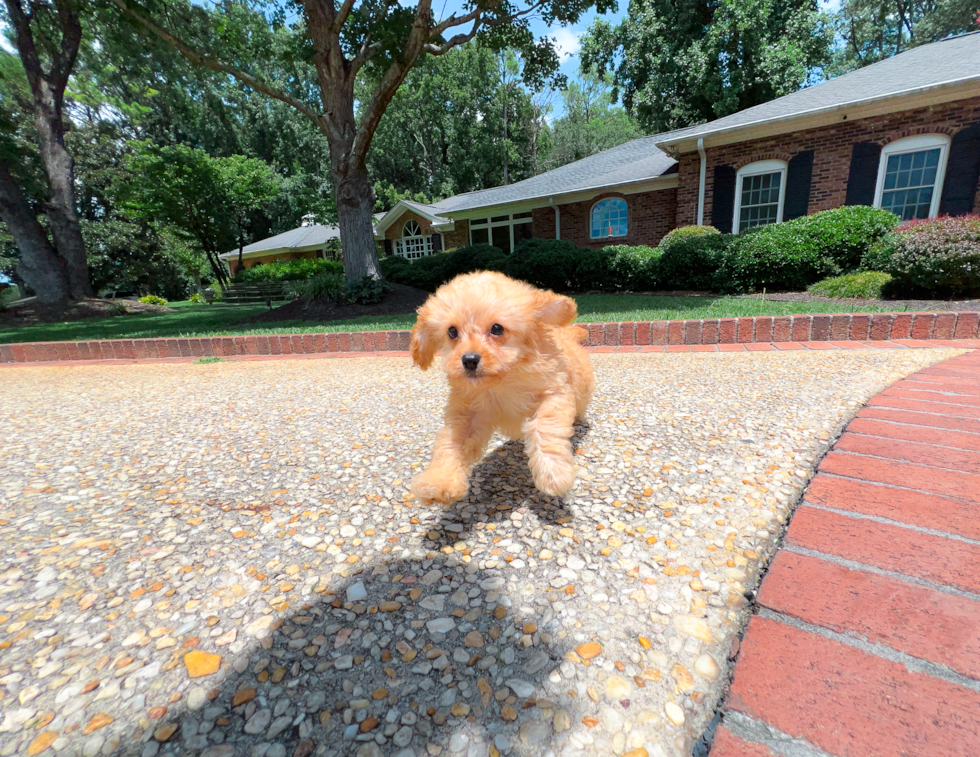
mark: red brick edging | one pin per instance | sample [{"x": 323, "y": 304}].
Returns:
[
  {"x": 865, "y": 637},
  {"x": 708, "y": 331}
]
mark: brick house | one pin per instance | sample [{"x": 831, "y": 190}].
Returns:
[{"x": 902, "y": 134}]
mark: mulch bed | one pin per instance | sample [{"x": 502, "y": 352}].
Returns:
[
  {"x": 403, "y": 299},
  {"x": 848, "y": 303},
  {"x": 39, "y": 312}
]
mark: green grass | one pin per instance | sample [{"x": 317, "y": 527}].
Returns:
[{"x": 220, "y": 320}]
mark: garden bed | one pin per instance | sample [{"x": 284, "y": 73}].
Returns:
[
  {"x": 850, "y": 303},
  {"x": 42, "y": 312}
]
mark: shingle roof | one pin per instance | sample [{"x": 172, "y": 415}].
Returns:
[
  {"x": 956, "y": 59},
  {"x": 639, "y": 160},
  {"x": 304, "y": 236}
]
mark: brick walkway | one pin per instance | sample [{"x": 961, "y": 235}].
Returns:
[{"x": 867, "y": 636}]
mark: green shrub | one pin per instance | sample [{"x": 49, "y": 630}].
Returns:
[
  {"x": 367, "y": 291},
  {"x": 550, "y": 264},
  {"x": 288, "y": 270},
  {"x": 693, "y": 262},
  {"x": 686, "y": 232},
  {"x": 846, "y": 234},
  {"x": 152, "y": 299},
  {"x": 630, "y": 268},
  {"x": 866, "y": 285},
  {"x": 319, "y": 287},
  {"x": 936, "y": 257},
  {"x": 432, "y": 272},
  {"x": 795, "y": 254},
  {"x": 197, "y": 298}
]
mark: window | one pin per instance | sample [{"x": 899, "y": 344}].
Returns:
[
  {"x": 910, "y": 176},
  {"x": 609, "y": 218},
  {"x": 413, "y": 245},
  {"x": 503, "y": 232},
  {"x": 759, "y": 191}
]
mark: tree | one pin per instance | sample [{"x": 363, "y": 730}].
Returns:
[
  {"x": 47, "y": 36},
  {"x": 590, "y": 123},
  {"x": 208, "y": 198},
  {"x": 381, "y": 41},
  {"x": 681, "y": 62},
  {"x": 872, "y": 30},
  {"x": 443, "y": 132}
]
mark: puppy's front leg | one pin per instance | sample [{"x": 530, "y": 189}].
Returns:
[
  {"x": 459, "y": 444},
  {"x": 547, "y": 440}
]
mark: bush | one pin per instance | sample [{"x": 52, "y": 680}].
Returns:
[
  {"x": 866, "y": 285},
  {"x": 937, "y": 257},
  {"x": 554, "y": 264},
  {"x": 432, "y": 272},
  {"x": 288, "y": 270},
  {"x": 197, "y": 298},
  {"x": 795, "y": 254},
  {"x": 152, "y": 299},
  {"x": 367, "y": 291},
  {"x": 846, "y": 234},
  {"x": 632, "y": 268},
  {"x": 686, "y": 232},
  {"x": 319, "y": 287},
  {"x": 693, "y": 262}
]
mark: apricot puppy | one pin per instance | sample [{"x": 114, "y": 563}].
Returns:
[{"x": 514, "y": 364}]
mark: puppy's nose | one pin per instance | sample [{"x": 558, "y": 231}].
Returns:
[{"x": 470, "y": 361}]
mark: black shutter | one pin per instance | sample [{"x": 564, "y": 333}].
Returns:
[
  {"x": 962, "y": 173},
  {"x": 797, "y": 198},
  {"x": 723, "y": 199},
  {"x": 436, "y": 243},
  {"x": 863, "y": 174},
  {"x": 388, "y": 248}
]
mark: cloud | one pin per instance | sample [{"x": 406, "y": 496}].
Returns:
[{"x": 567, "y": 41}]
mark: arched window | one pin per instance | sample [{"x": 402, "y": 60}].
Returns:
[
  {"x": 609, "y": 218},
  {"x": 910, "y": 176},
  {"x": 759, "y": 191},
  {"x": 413, "y": 244}
]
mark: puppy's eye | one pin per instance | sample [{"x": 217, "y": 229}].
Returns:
[
  {"x": 497, "y": 329},
  {"x": 453, "y": 333}
]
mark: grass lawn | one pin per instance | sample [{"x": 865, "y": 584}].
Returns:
[{"x": 220, "y": 320}]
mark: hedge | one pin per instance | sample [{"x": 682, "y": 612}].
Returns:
[
  {"x": 288, "y": 270},
  {"x": 936, "y": 258}
]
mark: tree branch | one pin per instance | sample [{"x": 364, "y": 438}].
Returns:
[
  {"x": 71, "y": 38},
  {"x": 342, "y": 15},
  {"x": 200, "y": 59}
]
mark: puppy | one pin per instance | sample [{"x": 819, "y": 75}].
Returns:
[{"x": 514, "y": 364}]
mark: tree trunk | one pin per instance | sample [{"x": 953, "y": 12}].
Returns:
[
  {"x": 40, "y": 267},
  {"x": 355, "y": 215},
  {"x": 60, "y": 169}
]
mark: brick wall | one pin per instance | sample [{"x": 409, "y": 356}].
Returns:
[
  {"x": 458, "y": 237},
  {"x": 832, "y": 153},
  {"x": 651, "y": 216}
]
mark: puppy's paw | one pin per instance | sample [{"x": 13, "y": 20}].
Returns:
[
  {"x": 440, "y": 485},
  {"x": 554, "y": 475}
]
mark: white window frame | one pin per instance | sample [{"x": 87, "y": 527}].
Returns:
[
  {"x": 756, "y": 169},
  {"x": 510, "y": 221},
  {"x": 915, "y": 144},
  {"x": 421, "y": 242}
]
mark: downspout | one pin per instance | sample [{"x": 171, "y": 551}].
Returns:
[
  {"x": 704, "y": 167},
  {"x": 551, "y": 202}
]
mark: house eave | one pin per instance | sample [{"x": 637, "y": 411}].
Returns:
[{"x": 957, "y": 89}]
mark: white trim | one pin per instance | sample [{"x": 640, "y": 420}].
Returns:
[
  {"x": 915, "y": 144},
  {"x": 963, "y": 87},
  {"x": 608, "y": 236},
  {"x": 701, "y": 175},
  {"x": 510, "y": 222},
  {"x": 756, "y": 169},
  {"x": 398, "y": 210}
]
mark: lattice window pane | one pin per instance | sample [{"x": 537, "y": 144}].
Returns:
[
  {"x": 910, "y": 183},
  {"x": 759, "y": 200}
]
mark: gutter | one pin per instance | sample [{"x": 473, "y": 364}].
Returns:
[
  {"x": 704, "y": 166},
  {"x": 551, "y": 202}
]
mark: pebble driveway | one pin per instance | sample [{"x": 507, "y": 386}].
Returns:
[{"x": 223, "y": 559}]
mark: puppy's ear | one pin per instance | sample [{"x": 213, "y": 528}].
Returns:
[
  {"x": 423, "y": 345},
  {"x": 555, "y": 309}
]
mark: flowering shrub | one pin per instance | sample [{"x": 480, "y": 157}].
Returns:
[{"x": 937, "y": 257}]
